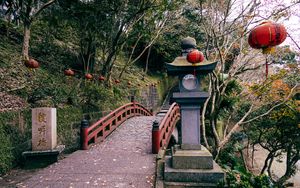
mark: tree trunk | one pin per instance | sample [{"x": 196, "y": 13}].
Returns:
[
  {"x": 147, "y": 60},
  {"x": 26, "y": 39},
  {"x": 270, "y": 155},
  {"x": 212, "y": 117},
  {"x": 88, "y": 54},
  {"x": 204, "y": 108},
  {"x": 109, "y": 71},
  {"x": 270, "y": 166},
  {"x": 107, "y": 65},
  {"x": 252, "y": 155},
  {"x": 291, "y": 161}
]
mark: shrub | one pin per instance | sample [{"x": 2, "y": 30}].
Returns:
[{"x": 6, "y": 156}]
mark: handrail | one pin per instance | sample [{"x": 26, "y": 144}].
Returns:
[
  {"x": 161, "y": 132},
  {"x": 98, "y": 131}
]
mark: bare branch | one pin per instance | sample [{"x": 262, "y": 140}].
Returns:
[
  {"x": 294, "y": 41},
  {"x": 235, "y": 127},
  {"x": 226, "y": 126},
  {"x": 203, "y": 115},
  {"x": 44, "y": 6}
]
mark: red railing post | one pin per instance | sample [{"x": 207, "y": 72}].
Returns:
[
  {"x": 84, "y": 134},
  {"x": 155, "y": 137},
  {"x": 134, "y": 105}
]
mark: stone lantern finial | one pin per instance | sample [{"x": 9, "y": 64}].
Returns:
[{"x": 188, "y": 44}]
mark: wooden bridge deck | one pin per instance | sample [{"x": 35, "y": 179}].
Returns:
[{"x": 124, "y": 159}]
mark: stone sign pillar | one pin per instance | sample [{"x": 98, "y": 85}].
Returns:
[
  {"x": 45, "y": 150},
  {"x": 44, "y": 136}
]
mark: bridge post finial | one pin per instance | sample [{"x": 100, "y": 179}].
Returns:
[
  {"x": 84, "y": 134},
  {"x": 132, "y": 99},
  {"x": 155, "y": 137}
]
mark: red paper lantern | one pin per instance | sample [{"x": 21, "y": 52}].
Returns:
[
  {"x": 31, "y": 63},
  {"x": 69, "y": 72},
  {"x": 266, "y": 35},
  {"x": 117, "y": 81},
  {"x": 88, "y": 76},
  {"x": 195, "y": 56},
  {"x": 101, "y": 78}
]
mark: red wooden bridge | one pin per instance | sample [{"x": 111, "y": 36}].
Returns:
[{"x": 117, "y": 151}]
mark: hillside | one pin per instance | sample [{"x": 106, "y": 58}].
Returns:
[{"x": 47, "y": 86}]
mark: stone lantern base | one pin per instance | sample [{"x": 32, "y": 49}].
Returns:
[{"x": 191, "y": 168}]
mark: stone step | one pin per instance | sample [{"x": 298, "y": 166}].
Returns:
[
  {"x": 214, "y": 175},
  {"x": 188, "y": 185},
  {"x": 161, "y": 114},
  {"x": 164, "y": 111}
]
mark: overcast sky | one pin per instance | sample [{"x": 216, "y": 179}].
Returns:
[{"x": 292, "y": 23}]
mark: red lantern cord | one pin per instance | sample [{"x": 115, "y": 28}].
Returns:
[{"x": 267, "y": 69}]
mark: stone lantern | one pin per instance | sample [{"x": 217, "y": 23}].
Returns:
[{"x": 190, "y": 163}]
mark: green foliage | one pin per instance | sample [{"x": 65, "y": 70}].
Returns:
[
  {"x": 6, "y": 156},
  {"x": 231, "y": 97},
  {"x": 229, "y": 156},
  {"x": 236, "y": 179},
  {"x": 14, "y": 135},
  {"x": 262, "y": 181},
  {"x": 98, "y": 98},
  {"x": 278, "y": 132},
  {"x": 236, "y": 174},
  {"x": 230, "y": 100},
  {"x": 68, "y": 127}
]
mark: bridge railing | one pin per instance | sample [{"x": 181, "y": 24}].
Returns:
[
  {"x": 98, "y": 131},
  {"x": 162, "y": 132}
]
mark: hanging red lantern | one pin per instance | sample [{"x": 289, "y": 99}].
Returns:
[
  {"x": 117, "y": 81},
  {"x": 31, "y": 63},
  {"x": 267, "y": 35},
  {"x": 195, "y": 56},
  {"x": 88, "y": 76},
  {"x": 69, "y": 72},
  {"x": 101, "y": 78}
]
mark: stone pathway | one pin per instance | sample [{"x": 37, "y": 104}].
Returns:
[{"x": 124, "y": 159}]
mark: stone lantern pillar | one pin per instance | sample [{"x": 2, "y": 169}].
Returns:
[{"x": 190, "y": 163}]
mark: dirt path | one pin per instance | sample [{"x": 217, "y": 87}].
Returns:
[{"x": 278, "y": 167}]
